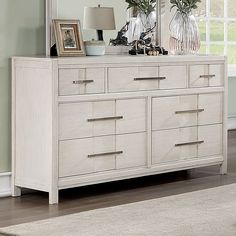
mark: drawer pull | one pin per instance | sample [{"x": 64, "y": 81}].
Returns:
[
  {"x": 207, "y": 76},
  {"x": 150, "y": 78},
  {"x": 82, "y": 81},
  {"x": 105, "y": 118},
  {"x": 105, "y": 154},
  {"x": 189, "y": 111},
  {"x": 189, "y": 143}
]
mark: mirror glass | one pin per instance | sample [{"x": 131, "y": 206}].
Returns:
[{"x": 74, "y": 9}]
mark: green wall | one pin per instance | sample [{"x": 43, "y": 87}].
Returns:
[{"x": 21, "y": 33}]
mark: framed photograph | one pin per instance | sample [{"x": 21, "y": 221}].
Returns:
[{"x": 68, "y": 37}]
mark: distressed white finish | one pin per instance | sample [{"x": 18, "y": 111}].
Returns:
[
  {"x": 198, "y": 71},
  {"x": 65, "y": 134},
  {"x": 210, "y": 108},
  {"x": 122, "y": 79},
  {"x": 73, "y": 81}
]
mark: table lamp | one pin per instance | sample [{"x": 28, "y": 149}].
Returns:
[{"x": 99, "y": 18}]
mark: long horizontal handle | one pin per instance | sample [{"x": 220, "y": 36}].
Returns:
[
  {"x": 82, "y": 81},
  {"x": 105, "y": 118},
  {"x": 150, "y": 78},
  {"x": 189, "y": 143},
  {"x": 105, "y": 154},
  {"x": 207, "y": 76},
  {"x": 189, "y": 111}
]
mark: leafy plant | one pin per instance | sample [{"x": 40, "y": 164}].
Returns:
[
  {"x": 184, "y": 6},
  {"x": 144, "y": 6}
]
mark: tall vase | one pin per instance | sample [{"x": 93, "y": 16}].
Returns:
[
  {"x": 145, "y": 25},
  {"x": 184, "y": 34}
]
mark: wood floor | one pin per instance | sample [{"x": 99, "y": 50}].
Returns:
[{"x": 34, "y": 206}]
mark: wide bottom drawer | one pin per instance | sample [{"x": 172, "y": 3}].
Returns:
[
  {"x": 90, "y": 155},
  {"x": 186, "y": 143}
]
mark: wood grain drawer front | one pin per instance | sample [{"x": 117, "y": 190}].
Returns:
[
  {"x": 81, "y": 81},
  {"x": 76, "y": 157},
  {"x": 146, "y": 78},
  {"x": 83, "y": 156},
  {"x": 88, "y": 119},
  {"x": 213, "y": 140},
  {"x": 206, "y": 75},
  {"x": 213, "y": 108},
  {"x": 134, "y": 115},
  {"x": 134, "y": 148},
  {"x": 176, "y": 77},
  {"x": 164, "y": 149},
  {"x": 164, "y": 112},
  {"x": 186, "y": 143},
  {"x": 184, "y": 111}
]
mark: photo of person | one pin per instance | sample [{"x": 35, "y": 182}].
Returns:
[{"x": 69, "y": 41}]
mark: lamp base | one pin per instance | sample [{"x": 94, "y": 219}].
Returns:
[
  {"x": 100, "y": 35},
  {"x": 95, "y": 48}
]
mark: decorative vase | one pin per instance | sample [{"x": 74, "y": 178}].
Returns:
[
  {"x": 184, "y": 34},
  {"x": 144, "y": 24}
]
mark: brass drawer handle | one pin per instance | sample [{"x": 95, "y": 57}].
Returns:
[
  {"x": 207, "y": 76},
  {"x": 189, "y": 143},
  {"x": 105, "y": 154},
  {"x": 82, "y": 81},
  {"x": 150, "y": 78},
  {"x": 189, "y": 111},
  {"x": 105, "y": 118}
]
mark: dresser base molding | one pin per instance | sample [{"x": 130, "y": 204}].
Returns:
[
  {"x": 78, "y": 181},
  {"x": 131, "y": 117}
]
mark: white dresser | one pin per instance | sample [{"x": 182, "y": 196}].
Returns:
[{"x": 81, "y": 121}]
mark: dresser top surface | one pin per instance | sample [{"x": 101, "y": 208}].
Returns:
[{"x": 109, "y": 59}]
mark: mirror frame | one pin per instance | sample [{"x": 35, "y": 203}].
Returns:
[{"x": 52, "y": 13}]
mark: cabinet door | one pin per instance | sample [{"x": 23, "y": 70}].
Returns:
[
  {"x": 133, "y": 112},
  {"x": 86, "y": 119},
  {"x": 174, "y": 145},
  {"x": 83, "y": 156},
  {"x": 81, "y": 81},
  {"x": 206, "y": 75},
  {"x": 134, "y": 147},
  {"x": 174, "y": 112},
  {"x": 175, "y": 77}
]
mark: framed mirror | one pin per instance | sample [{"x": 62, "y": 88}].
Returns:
[{"x": 74, "y": 9}]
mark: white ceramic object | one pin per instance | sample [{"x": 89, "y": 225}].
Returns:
[{"x": 95, "y": 48}]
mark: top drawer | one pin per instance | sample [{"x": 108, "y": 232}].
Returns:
[
  {"x": 147, "y": 78},
  {"x": 81, "y": 81},
  {"x": 206, "y": 75}
]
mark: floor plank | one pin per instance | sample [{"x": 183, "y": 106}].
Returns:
[{"x": 34, "y": 206}]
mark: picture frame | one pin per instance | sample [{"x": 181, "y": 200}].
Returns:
[{"x": 68, "y": 36}]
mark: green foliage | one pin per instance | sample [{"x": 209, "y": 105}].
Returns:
[
  {"x": 184, "y": 6},
  {"x": 144, "y": 6}
]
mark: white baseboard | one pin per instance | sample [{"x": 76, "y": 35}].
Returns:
[
  {"x": 232, "y": 123},
  {"x": 5, "y": 184}
]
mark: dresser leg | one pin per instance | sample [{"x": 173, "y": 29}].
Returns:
[
  {"x": 53, "y": 197},
  {"x": 223, "y": 168},
  {"x": 15, "y": 191}
]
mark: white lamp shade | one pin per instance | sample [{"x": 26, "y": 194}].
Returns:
[{"x": 99, "y": 18}]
